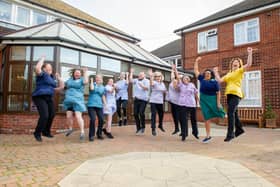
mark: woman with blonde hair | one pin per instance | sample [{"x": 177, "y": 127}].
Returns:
[
  {"x": 156, "y": 99},
  {"x": 233, "y": 92}
]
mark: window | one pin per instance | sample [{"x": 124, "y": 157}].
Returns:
[
  {"x": 207, "y": 41},
  {"x": 20, "y": 53},
  {"x": 69, "y": 56},
  {"x": 5, "y": 11},
  {"x": 38, "y": 18},
  {"x": 110, "y": 64},
  {"x": 247, "y": 32},
  {"x": 88, "y": 60},
  {"x": 251, "y": 86},
  {"x": 18, "y": 78},
  {"x": 23, "y": 16},
  {"x": 65, "y": 73},
  {"x": 46, "y": 51}
]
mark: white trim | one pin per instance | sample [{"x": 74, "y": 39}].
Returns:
[
  {"x": 229, "y": 18},
  {"x": 171, "y": 57}
]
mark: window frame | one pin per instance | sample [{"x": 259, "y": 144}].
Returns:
[
  {"x": 246, "y": 32},
  {"x": 11, "y": 14},
  {"x": 246, "y": 90},
  {"x": 206, "y": 35},
  {"x": 16, "y": 16}
]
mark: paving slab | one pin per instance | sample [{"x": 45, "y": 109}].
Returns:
[{"x": 163, "y": 169}]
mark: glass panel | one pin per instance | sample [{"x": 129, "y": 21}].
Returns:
[
  {"x": 69, "y": 56},
  {"x": 202, "y": 46},
  {"x": 138, "y": 69},
  {"x": 39, "y": 18},
  {"x": 68, "y": 34},
  {"x": 65, "y": 73},
  {"x": 125, "y": 67},
  {"x": 18, "y": 103},
  {"x": 240, "y": 36},
  {"x": 212, "y": 43},
  {"x": 167, "y": 76},
  {"x": 18, "y": 78},
  {"x": 46, "y": 51},
  {"x": 90, "y": 74},
  {"x": 23, "y": 16},
  {"x": 252, "y": 34},
  {"x": 20, "y": 53},
  {"x": 88, "y": 60},
  {"x": 110, "y": 64},
  {"x": 5, "y": 11},
  {"x": 252, "y": 23}
]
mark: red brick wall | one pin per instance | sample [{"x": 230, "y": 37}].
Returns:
[
  {"x": 266, "y": 58},
  {"x": 26, "y": 123}
]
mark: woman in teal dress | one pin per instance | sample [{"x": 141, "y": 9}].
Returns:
[
  {"x": 210, "y": 96},
  {"x": 74, "y": 99}
]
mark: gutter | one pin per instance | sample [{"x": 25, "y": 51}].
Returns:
[{"x": 225, "y": 19}]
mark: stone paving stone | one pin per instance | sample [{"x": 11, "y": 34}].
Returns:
[{"x": 121, "y": 172}]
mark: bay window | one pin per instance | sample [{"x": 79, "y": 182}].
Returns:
[
  {"x": 38, "y": 18},
  {"x": 246, "y": 32}
]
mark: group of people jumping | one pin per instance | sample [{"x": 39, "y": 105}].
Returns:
[{"x": 182, "y": 95}]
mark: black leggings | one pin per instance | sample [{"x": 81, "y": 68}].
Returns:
[
  {"x": 184, "y": 112},
  {"x": 175, "y": 115},
  {"x": 156, "y": 108},
  {"x": 121, "y": 104},
  {"x": 233, "y": 119},
  {"x": 99, "y": 113},
  {"x": 139, "y": 113},
  {"x": 45, "y": 107}
]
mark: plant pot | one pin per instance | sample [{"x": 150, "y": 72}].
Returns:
[{"x": 270, "y": 123}]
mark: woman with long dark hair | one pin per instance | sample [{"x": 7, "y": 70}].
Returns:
[
  {"x": 42, "y": 97},
  {"x": 233, "y": 92}
]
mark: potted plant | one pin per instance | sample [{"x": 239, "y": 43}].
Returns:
[{"x": 269, "y": 116}]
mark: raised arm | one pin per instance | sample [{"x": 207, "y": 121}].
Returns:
[
  {"x": 195, "y": 69},
  {"x": 127, "y": 77},
  {"x": 217, "y": 76},
  {"x": 38, "y": 68},
  {"x": 176, "y": 72},
  {"x": 249, "y": 59},
  {"x": 85, "y": 75},
  {"x": 60, "y": 83},
  {"x": 91, "y": 85},
  {"x": 150, "y": 71}
]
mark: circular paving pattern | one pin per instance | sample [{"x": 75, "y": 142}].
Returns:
[{"x": 166, "y": 169}]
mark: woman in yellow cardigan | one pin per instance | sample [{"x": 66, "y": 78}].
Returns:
[{"x": 233, "y": 92}]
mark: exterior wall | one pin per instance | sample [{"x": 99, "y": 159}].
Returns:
[
  {"x": 266, "y": 58},
  {"x": 19, "y": 123}
]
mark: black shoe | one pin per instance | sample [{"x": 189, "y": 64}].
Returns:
[
  {"x": 175, "y": 132},
  {"x": 91, "y": 139},
  {"x": 154, "y": 133},
  {"x": 109, "y": 135},
  {"x": 183, "y": 138},
  {"x": 37, "y": 137},
  {"x": 125, "y": 122},
  {"x": 180, "y": 134},
  {"x": 239, "y": 132},
  {"x": 196, "y": 136},
  {"x": 47, "y": 135},
  {"x": 161, "y": 128},
  {"x": 227, "y": 139},
  {"x": 105, "y": 131},
  {"x": 100, "y": 137},
  {"x": 70, "y": 131},
  {"x": 120, "y": 122}
]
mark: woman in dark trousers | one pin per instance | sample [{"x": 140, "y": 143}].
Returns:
[
  {"x": 187, "y": 104},
  {"x": 96, "y": 103},
  {"x": 43, "y": 98},
  {"x": 233, "y": 80}
]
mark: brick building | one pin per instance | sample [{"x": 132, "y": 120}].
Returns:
[
  {"x": 226, "y": 34},
  {"x": 69, "y": 38}
]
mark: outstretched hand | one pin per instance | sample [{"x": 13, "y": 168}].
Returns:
[
  {"x": 198, "y": 59},
  {"x": 150, "y": 72},
  {"x": 250, "y": 50}
]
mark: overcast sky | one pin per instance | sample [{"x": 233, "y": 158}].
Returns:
[{"x": 152, "y": 21}]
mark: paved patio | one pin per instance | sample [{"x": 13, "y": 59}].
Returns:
[{"x": 24, "y": 162}]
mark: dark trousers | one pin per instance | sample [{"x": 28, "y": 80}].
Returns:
[
  {"x": 156, "y": 108},
  {"x": 139, "y": 113},
  {"x": 184, "y": 112},
  {"x": 233, "y": 119},
  {"x": 99, "y": 112},
  {"x": 175, "y": 115},
  {"x": 121, "y": 106},
  {"x": 45, "y": 107}
]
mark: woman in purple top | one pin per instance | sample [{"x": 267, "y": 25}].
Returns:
[
  {"x": 187, "y": 104},
  {"x": 156, "y": 99},
  {"x": 172, "y": 97}
]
